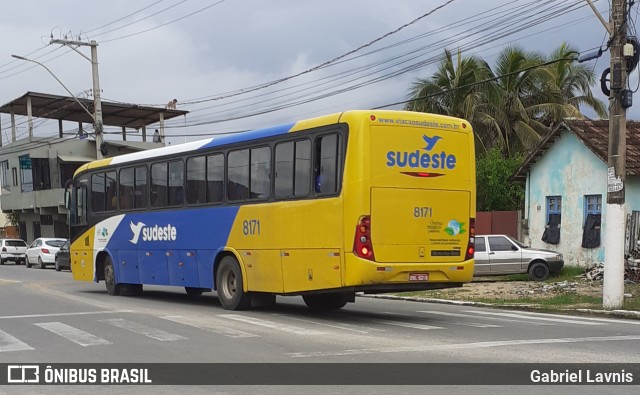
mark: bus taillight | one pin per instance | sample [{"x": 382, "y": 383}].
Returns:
[
  {"x": 362, "y": 246},
  {"x": 472, "y": 239}
]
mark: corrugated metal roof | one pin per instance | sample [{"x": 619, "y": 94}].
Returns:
[{"x": 48, "y": 106}]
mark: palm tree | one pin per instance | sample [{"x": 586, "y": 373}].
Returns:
[
  {"x": 515, "y": 104},
  {"x": 453, "y": 89},
  {"x": 574, "y": 82},
  {"x": 515, "y": 98}
]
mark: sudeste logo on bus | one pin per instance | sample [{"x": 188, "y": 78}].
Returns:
[
  {"x": 152, "y": 233},
  {"x": 423, "y": 160}
]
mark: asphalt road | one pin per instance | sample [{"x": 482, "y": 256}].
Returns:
[{"x": 46, "y": 317}]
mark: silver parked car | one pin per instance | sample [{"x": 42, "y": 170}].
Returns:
[{"x": 501, "y": 254}]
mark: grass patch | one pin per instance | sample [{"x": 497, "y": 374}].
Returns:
[{"x": 568, "y": 273}]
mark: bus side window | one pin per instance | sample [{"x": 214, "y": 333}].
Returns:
[{"x": 326, "y": 164}]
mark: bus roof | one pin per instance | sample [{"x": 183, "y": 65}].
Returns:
[{"x": 237, "y": 137}]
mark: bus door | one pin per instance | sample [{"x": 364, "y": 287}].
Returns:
[{"x": 81, "y": 247}]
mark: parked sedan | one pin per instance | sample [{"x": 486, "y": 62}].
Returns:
[
  {"x": 63, "y": 260},
  {"x": 43, "y": 251},
  {"x": 501, "y": 254},
  {"x": 12, "y": 250}
]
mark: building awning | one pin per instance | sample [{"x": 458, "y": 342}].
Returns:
[
  {"x": 66, "y": 108},
  {"x": 76, "y": 158}
]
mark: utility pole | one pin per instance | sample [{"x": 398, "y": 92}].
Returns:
[
  {"x": 97, "y": 103},
  {"x": 619, "y": 101}
]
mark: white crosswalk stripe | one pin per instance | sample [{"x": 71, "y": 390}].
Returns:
[
  {"x": 272, "y": 325},
  {"x": 208, "y": 326},
  {"x": 536, "y": 318},
  {"x": 10, "y": 343},
  {"x": 471, "y": 324},
  {"x": 406, "y": 324},
  {"x": 484, "y": 318},
  {"x": 154, "y": 333},
  {"x": 73, "y": 334}
]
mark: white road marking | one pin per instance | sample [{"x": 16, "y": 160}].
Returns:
[
  {"x": 471, "y": 324},
  {"x": 484, "y": 318},
  {"x": 10, "y": 343},
  {"x": 157, "y": 334},
  {"x": 534, "y": 317},
  {"x": 272, "y": 325},
  {"x": 208, "y": 326},
  {"x": 6, "y": 317},
  {"x": 345, "y": 327},
  {"x": 503, "y": 343},
  {"x": 607, "y": 320},
  {"x": 406, "y": 324},
  {"x": 73, "y": 334}
]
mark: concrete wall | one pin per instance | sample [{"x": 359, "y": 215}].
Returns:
[{"x": 569, "y": 169}]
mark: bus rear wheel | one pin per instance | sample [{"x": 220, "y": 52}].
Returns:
[
  {"x": 229, "y": 285},
  {"x": 113, "y": 288},
  {"x": 329, "y": 301}
]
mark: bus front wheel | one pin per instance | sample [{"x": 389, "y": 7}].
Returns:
[
  {"x": 229, "y": 285},
  {"x": 328, "y": 301},
  {"x": 113, "y": 288}
]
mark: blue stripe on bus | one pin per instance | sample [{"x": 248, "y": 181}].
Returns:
[
  {"x": 143, "y": 245},
  {"x": 251, "y": 135}
]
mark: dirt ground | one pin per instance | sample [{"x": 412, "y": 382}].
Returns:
[{"x": 513, "y": 290}]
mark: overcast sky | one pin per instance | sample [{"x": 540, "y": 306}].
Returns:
[{"x": 221, "y": 59}]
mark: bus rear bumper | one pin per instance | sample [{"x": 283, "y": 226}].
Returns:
[{"x": 368, "y": 276}]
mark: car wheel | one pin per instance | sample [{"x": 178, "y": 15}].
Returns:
[
  {"x": 41, "y": 264},
  {"x": 539, "y": 271},
  {"x": 27, "y": 263},
  {"x": 57, "y": 266},
  {"x": 1, "y": 261}
]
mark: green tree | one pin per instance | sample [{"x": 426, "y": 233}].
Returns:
[{"x": 494, "y": 190}]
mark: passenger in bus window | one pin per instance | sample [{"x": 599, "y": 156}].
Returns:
[{"x": 318, "y": 187}]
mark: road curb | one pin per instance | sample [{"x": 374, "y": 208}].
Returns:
[{"x": 608, "y": 313}]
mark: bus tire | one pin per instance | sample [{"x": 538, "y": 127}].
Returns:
[
  {"x": 229, "y": 285},
  {"x": 328, "y": 301},
  {"x": 113, "y": 288},
  {"x": 193, "y": 291}
]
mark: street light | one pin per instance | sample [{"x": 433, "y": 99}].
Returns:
[
  {"x": 60, "y": 82},
  {"x": 97, "y": 116}
]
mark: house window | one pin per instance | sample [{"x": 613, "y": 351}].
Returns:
[
  {"x": 4, "y": 174},
  {"x": 592, "y": 204},
  {"x": 551, "y": 233},
  {"x": 592, "y": 221},
  {"x": 26, "y": 175}
]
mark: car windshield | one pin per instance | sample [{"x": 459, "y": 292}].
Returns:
[
  {"x": 16, "y": 243},
  {"x": 520, "y": 244},
  {"x": 54, "y": 243}
]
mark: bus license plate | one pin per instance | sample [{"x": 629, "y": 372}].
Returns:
[{"x": 418, "y": 276}]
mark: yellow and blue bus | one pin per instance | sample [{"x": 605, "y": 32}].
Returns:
[{"x": 359, "y": 201}]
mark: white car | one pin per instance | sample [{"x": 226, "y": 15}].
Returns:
[
  {"x": 12, "y": 250},
  {"x": 43, "y": 251},
  {"x": 496, "y": 255}
]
